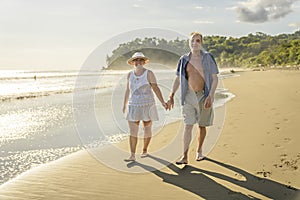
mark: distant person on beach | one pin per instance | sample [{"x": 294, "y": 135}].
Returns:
[
  {"x": 139, "y": 100},
  {"x": 197, "y": 77}
]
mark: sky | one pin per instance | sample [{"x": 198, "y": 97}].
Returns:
[{"x": 60, "y": 34}]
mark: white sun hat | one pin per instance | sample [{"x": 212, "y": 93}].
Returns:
[{"x": 137, "y": 55}]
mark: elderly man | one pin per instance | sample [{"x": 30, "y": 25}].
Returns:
[{"x": 197, "y": 77}]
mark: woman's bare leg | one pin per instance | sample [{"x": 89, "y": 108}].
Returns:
[
  {"x": 133, "y": 128},
  {"x": 147, "y": 135}
]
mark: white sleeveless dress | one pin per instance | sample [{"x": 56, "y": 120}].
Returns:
[{"x": 141, "y": 103}]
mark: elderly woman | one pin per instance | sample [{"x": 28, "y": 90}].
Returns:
[{"x": 139, "y": 104}]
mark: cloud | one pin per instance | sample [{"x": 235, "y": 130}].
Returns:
[
  {"x": 202, "y": 22},
  {"x": 198, "y": 7},
  {"x": 259, "y": 11},
  {"x": 231, "y": 8},
  {"x": 295, "y": 24}
]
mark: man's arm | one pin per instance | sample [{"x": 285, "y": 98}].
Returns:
[
  {"x": 211, "y": 96},
  {"x": 214, "y": 85},
  {"x": 175, "y": 87}
]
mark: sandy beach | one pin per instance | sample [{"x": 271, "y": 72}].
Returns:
[{"x": 257, "y": 155}]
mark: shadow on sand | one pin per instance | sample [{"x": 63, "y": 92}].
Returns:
[{"x": 194, "y": 180}]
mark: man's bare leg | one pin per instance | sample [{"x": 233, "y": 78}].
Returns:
[
  {"x": 201, "y": 137},
  {"x": 187, "y": 136}
]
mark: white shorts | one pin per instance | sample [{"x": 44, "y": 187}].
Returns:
[{"x": 144, "y": 113}]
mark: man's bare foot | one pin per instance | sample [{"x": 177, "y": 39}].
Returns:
[
  {"x": 144, "y": 154},
  {"x": 200, "y": 156},
  {"x": 183, "y": 160}
]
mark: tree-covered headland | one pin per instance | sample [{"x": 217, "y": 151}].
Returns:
[{"x": 253, "y": 50}]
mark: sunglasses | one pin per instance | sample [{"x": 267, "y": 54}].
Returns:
[{"x": 138, "y": 59}]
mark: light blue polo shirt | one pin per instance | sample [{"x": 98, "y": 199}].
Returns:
[{"x": 209, "y": 67}]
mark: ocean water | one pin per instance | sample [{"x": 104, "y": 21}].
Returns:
[{"x": 37, "y": 120}]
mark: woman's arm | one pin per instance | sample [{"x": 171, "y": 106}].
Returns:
[
  {"x": 155, "y": 88},
  {"x": 126, "y": 94}
]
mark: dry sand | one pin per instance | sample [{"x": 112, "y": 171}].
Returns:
[{"x": 256, "y": 156}]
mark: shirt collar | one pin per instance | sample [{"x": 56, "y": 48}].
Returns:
[{"x": 188, "y": 55}]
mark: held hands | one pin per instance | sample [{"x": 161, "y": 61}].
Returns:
[
  {"x": 170, "y": 103},
  {"x": 165, "y": 105}
]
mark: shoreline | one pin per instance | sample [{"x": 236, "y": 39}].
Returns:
[
  {"x": 54, "y": 153},
  {"x": 256, "y": 155}
]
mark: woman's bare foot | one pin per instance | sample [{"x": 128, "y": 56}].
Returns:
[{"x": 131, "y": 158}]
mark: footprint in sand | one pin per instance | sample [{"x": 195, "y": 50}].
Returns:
[
  {"x": 264, "y": 173},
  {"x": 233, "y": 154},
  {"x": 286, "y": 163},
  {"x": 240, "y": 177}
]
